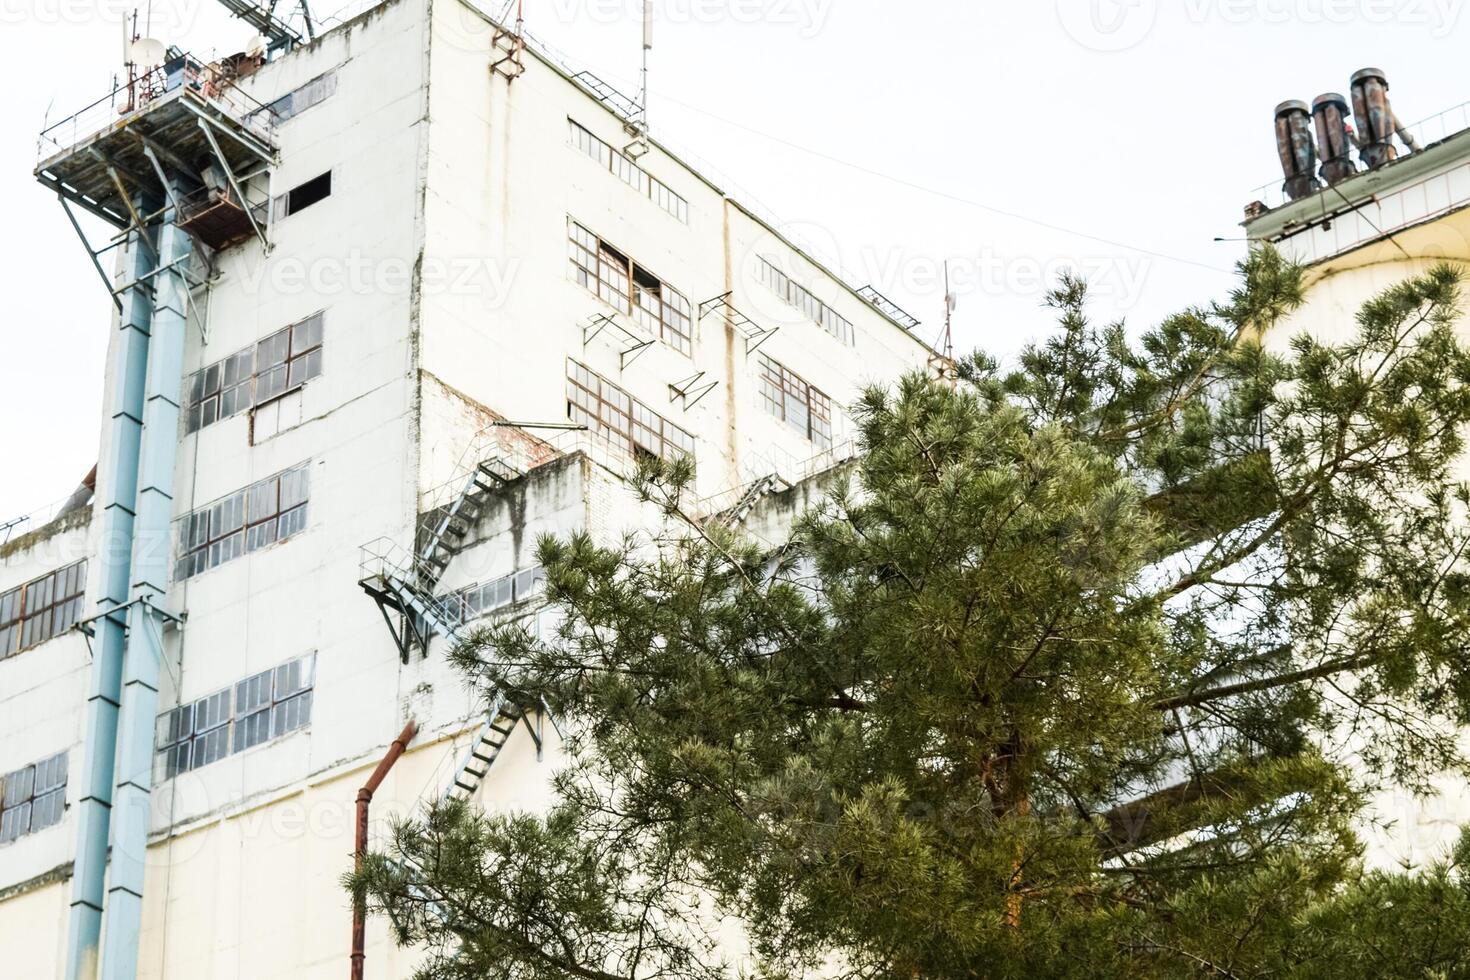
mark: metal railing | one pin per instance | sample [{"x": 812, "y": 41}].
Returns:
[
  {"x": 1426, "y": 132},
  {"x": 189, "y": 75},
  {"x": 396, "y": 565},
  {"x": 18, "y": 525}
]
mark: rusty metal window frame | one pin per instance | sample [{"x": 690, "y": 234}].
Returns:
[
  {"x": 795, "y": 402},
  {"x": 42, "y": 608},
  {"x": 33, "y": 798},
  {"x": 266, "y": 512},
  {"x": 298, "y": 100},
  {"x": 629, "y": 172},
  {"x": 621, "y": 419},
  {"x": 483, "y": 598},
  {"x": 629, "y": 288},
  {"x": 255, "y": 375}
]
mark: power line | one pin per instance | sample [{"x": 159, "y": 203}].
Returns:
[{"x": 945, "y": 195}]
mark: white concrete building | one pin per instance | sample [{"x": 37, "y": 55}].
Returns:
[
  {"x": 450, "y": 236},
  {"x": 1366, "y": 230}
]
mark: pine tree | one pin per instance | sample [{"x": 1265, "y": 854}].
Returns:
[{"x": 1085, "y": 668}]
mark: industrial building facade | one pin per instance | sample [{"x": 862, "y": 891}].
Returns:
[
  {"x": 1372, "y": 215},
  {"x": 432, "y": 296}
]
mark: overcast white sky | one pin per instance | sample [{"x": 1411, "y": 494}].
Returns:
[{"x": 1117, "y": 137}]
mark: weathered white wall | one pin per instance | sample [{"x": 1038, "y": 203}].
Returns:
[
  {"x": 505, "y": 178},
  {"x": 440, "y": 261},
  {"x": 42, "y": 691},
  {"x": 1403, "y": 827}
]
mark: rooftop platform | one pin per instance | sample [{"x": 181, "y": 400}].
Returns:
[
  {"x": 1373, "y": 205},
  {"x": 170, "y": 121}
]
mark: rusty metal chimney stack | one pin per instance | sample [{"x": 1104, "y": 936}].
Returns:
[
  {"x": 1297, "y": 150},
  {"x": 1377, "y": 122},
  {"x": 1334, "y": 137}
]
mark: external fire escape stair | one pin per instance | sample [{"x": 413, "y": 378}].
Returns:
[{"x": 404, "y": 588}]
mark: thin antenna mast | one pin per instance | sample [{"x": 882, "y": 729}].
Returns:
[
  {"x": 638, "y": 127},
  {"x": 647, "y": 47},
  {"x": 949, "y": 305}
]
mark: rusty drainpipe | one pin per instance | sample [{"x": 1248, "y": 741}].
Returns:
[{"x": 359, "y": 851}]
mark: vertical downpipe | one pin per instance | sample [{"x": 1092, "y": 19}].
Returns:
[
  {"x": 117, "y": 487},
  {"x": 150, "y": 571}
]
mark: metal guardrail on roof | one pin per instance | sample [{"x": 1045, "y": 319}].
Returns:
[
  {"x": 1426, "y": 132},
  {"x": 181, "y": 73}
]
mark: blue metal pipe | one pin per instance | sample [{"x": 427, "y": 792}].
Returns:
[
  {"x": 117, "y": 485},
  {"x": 123, "y": 918}
]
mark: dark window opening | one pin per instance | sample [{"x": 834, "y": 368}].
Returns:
[{"x": 309, "y": 193}]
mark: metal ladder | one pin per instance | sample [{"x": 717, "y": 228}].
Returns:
[
  {"x": 405, "y": 583},
  {"x": 748, "y": 500},
  {"x": 501, "y": 722},
  {"x": 447, "y": 531}
]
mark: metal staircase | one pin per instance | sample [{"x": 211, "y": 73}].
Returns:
[
  {"x": 504, "y": 716},
  {"x": 748, "y": 500},
  {"x": 403, "y": 584},
  {"x": 443, "y": 531}
]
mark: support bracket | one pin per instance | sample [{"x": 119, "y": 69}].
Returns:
[
  {"x": 692, "y": 389},
  {"x": 234, "y": 184},
  {"x": 755, "y": 335},
  {"x": 91, "y": 253}
]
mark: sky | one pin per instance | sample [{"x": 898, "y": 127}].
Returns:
[{"x": 1115, "y": 138}]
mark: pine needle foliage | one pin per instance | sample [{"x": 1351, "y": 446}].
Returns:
[{"x": 1085, "y": 668}]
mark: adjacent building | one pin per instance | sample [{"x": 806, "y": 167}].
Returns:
[{"x": 1388, "y": 202}]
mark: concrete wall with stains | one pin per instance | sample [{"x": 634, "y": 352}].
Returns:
[{"x": 439, "y": 262}]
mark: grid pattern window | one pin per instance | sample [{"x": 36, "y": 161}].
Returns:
[
  {"x": 32, "y": 798},
  {"x": 294, "y": 103},
  {"x": 484, "y": 598},
  {"x": 273, "y": 703},
  {"x": 271, "y": 510},
  {"x": 39, "y": 610},
  {"x": 282, "y": 362},
  {"x": 195, "y": 734},
  {"x": 620, "y": 418},
  {"x": 798, "y": 296},
  {"x": 629, "y": 172},
  {"x": 618, "y": 281},
  {"x": 798, "y": 404},
  {"x": 251, "y": 712}
]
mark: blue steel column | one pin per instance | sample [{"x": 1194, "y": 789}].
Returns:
[
  {"x": 150, "y": 572},
  {"x": 117, "y": 485}
]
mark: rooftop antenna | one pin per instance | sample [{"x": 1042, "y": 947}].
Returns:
[
  {"x": 942, "y": 361},
  {"x": 508, "y": 47},
  {"x": 280, "y": 32},
  {"x": 949, "y": 305},
  {"x": 639, "y": 127}
]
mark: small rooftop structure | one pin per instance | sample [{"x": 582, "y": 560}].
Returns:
[
  {"x": 1312, "y": 220},
  {"x": 185, "y": 117}
]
